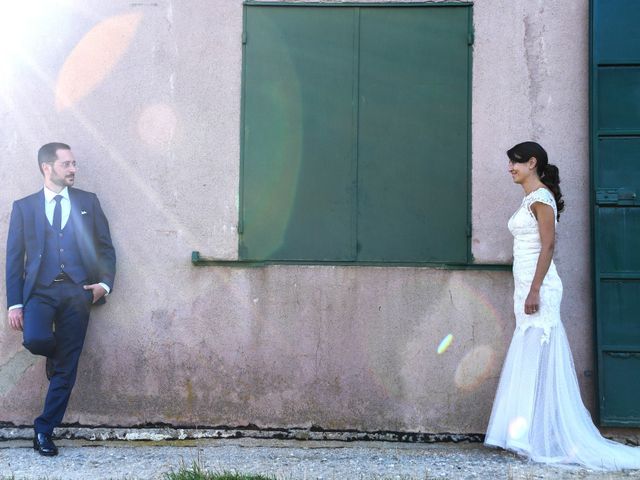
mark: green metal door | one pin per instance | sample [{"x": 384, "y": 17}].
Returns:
[{"x": 615, "y": 154}]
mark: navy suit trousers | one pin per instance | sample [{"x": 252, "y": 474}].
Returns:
[{"x": 55, "y": 325}]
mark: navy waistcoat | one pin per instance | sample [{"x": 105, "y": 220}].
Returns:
[{"x": 61, "y": 255}]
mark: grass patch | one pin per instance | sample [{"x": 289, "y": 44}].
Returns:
[{"x": 196, "y": 472}]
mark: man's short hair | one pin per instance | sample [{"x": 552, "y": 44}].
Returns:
[{"x": 47, "y": 153}]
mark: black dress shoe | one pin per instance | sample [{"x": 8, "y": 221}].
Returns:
[
  {"x": 43, "y": 444},
  {"x": 49, "y": 367}
]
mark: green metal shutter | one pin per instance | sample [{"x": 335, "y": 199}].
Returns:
[
  {"x": 615, "y": 148},
  {"x": 298, "y": 134},
  {"x": 413, "y": 130},
  {"x": 355, "y": 134}
]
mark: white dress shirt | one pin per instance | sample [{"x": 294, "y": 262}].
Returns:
[{"x": 50, "y": 205}]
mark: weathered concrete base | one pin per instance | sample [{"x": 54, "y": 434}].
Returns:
[{"x": 162, "y": 434}]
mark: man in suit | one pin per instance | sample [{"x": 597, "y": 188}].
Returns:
[{"x": 60, "y": 261}]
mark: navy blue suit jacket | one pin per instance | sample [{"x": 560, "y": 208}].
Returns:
[{"x": 26, "y": 239}]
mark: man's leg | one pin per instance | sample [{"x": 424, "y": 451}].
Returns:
[
  {"x": 72, "y": 317},
  {"x": 39, "y": 315}
]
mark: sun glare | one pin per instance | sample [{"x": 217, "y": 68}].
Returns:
[
  {"x": 18, "y": 19},
  {"x": 20, "y": 23}
]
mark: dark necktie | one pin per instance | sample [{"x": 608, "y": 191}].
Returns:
[{"x": 57, "y": 214}]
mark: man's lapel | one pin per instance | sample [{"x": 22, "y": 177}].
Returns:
[
  {"x": 75, "y": 205},
  {"x": 77, "y": 218}
]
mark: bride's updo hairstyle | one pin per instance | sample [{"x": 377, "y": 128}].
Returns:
[{"x": 548, "y": 173}]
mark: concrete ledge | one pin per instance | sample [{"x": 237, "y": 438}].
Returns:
[{"x": 160, "y": 434}]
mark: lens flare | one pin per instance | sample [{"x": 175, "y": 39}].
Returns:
[
  {"x": 518, "y": 427},
  {"x": 475, "y": 322},
  {"x": 445, "y": 344},
  {"x": 475, "y": 367},
  {"x": 94, "y": 57}
]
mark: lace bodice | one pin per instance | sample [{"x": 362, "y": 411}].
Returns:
[
  {"x": 523, "y": 224},
  {"x": 526, "y": 250}
]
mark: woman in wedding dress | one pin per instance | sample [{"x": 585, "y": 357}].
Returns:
[{"x": 538, "y": 411}]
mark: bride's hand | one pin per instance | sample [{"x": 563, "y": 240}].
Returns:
[{"x": 532, "y": 303}]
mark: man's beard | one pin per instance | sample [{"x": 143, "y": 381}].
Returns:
[{"x": 65, "y": 181}]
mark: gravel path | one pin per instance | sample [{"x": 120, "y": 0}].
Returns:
[{"x": 286, "y": 459}]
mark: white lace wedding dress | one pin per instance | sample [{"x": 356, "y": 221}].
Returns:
[{"x": 538, "y": 411}]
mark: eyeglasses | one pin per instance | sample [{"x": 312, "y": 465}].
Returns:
[{"x": 67, "y": 164}]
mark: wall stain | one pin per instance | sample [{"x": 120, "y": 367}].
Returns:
[
  {"x": 536, "y": 59},
  {"x": 12, "y": 371}
]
